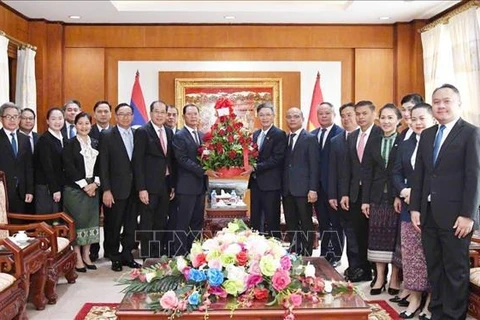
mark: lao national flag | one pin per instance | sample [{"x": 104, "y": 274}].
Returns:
[
  {"x": 317, "y": 98},
  {"x": 140, "y": 116}
]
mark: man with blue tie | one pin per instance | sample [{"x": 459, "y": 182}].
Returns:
[
  {"x": 266, "y": 176},
  {"x": 15, "y": 160},
  {"x": 331, "y": 232},
  {"x": 444, "y": 201},
  {"x": 70, "y": 110}
]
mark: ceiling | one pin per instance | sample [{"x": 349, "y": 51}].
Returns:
[{"x": 220, "y": 12}]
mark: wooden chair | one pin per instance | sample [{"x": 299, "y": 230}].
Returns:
[
  {"x": 13, "y": 286},
  {"x": 61, "y": 258}
]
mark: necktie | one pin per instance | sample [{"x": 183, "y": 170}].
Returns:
[
  {"x": 31, "y": 143},
  {"x": 290, "y": 140},
  {"x": 71, "y": 133},
  {"x": 14, "y": 144},
  {"x": 260, "y": 139},
  {"x": 161, "y": 133},
  {"x": 361, "y": 146},
  {"x": 128, "y": 143},
  {"x": 322, "y": 137},
  {"x": 195, "y": 137},
  {"x": 437, "y": 143}
]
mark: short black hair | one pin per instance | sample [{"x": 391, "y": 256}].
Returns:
[
  {"x": 413, "y": 98},
  {"x": 423, "y": 105},
  {"x": 365, "y": 103},
  {"x": 123, "y": 104},
  {"x": 393, "y": 107},
  {"x": 101, "y": 102},
  {"x": 267, "y": 105},
  {"x": 447, "y": 86},
  {"x": 49, "y": 112},
  {"x": 69, "y": 102},
  {"x": 152, "y": 105},
  {"x": 30, "y": 110},
  {"x": 83, "y": 114},
  {"x": 172, "y": 107},
  {"x": 189, "y": 105},
  {"x": 346, "y": 105}
]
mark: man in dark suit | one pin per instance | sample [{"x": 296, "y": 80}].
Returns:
[
  {"x": 266, "y": 177},
  {"x": 172, "y": 118},
  {"x": 331, "y": 232},
  {"x": 338, "y": 153},
  {"x": 192, "y": 181},
  {"x": 351, "y": 188},
  {"x": 15, "y": 160},
  {"x": 102, "y": 112},
  {"x": 70, "y": 110},
  {"x": 300, "y": 183},
  {"x": 119, "y": 196},
  {"x": 27, "y": 123},
  {"x": 154, "y": 177},
  {"x": 444, "y": 201}
]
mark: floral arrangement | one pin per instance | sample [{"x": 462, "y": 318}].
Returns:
[
  {"x": 237, "y": 262},
  {"x": 228, "y": 144}
]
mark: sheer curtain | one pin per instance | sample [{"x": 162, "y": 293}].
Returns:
[
  {"x": 4, "y": 84},
  {"x": 26, "y": 88},
  {"x": 464, "y": 32}
]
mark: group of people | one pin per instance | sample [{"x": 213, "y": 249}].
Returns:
[{"x": 406, "y": 199}]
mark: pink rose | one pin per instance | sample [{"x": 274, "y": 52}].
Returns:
[
  {"x": 217, "y": 291},
  {"x": 254, "y": 267},
  {"x": 280, "y": 280},
  {"x": 135, "y": 273},
  {"x": 286, "y": 263},
  {"x": 186, "y": 272},
  {"x": 142, "y": 277},
  {"x": 198, "y": 260},
  {"x": 182, "y": 305},
  {"x": 253, "y": 280},
  {"x": 296, "y": 299},
  {"x": 169, "y": 300}
]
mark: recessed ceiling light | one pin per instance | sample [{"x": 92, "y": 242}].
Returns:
[
  {"x": 384, "y": 18},
  {"x": 74, "y": 17},
  {"x": 229, "y": 17}
]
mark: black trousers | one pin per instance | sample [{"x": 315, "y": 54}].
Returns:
[
  {"x": 298, "y": 217},
  {"x": 168, "y": 247},
  {"x": 123, "y": 213},
  {"x": 189, "y": 221},
  {"x": 153, "y": 220},
  {"x": 357, "y": 225},
  {"x": 448, "y": 270},
  {"x": 331, "y": 232},
  {"x": 265, "y": 210},
  {"x": 44, "y": 203}
]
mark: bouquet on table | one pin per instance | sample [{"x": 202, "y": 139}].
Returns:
[
  {"x": 237, "y": 262},
  {"x": 228, "y": 146}
]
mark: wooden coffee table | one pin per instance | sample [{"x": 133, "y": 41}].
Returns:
[{"x": 341, "y": 306}]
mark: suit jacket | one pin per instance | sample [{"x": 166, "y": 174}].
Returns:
[
  {"x": 403, "y": 170},
  {"x": 376, "y": 178},
  {"x": 95, "y": 133},
  {"x": 454, "y": 181},
  {"x": 64, "y": 130},
  {"x": 268, "y": 172},
  {"x": 18, "y": 170},
  {"x": 116, "y": 168},
  {"x": 337, "y": 159},
  {"x": 48, "y": 162},
  {"x": 352, "y": 176},
  {"x": 73, "y": 162},
  {"x": 300, "y": 174},
  {"x": 191, "y": 176},
  {"x": 324, "y": 154},
  {"x": 150, "y": 163}
]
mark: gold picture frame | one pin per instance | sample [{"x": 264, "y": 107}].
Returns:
[{"x": 245, "y": 93}]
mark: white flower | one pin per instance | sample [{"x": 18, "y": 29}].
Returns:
[
  {"x": 328, "y": 286},
  {"x": 149, "y": 276},
  {"x": 236, "y": 273},
  {"x": 215, "y": 263},
  {"x": 210, "y": 244},
  {"x": 309, "y": 270},
  {"x": 233, "y": 248},
  {"x": 328, "y": 299},
  {"x": 196, "y": 248},
  {"x": 181, "y": 263}
]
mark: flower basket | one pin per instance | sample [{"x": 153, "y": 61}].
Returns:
[{"x": 231, "y": 172}]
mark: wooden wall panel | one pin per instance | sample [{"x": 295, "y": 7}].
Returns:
[
  {"x": 54, "y": 65},
  {"x": 374, "y": 79},
  {"x": 84, "y": 74},
  {"x": 290, "y": 85},
  {"x": 12, "y": 24},
  {"x": 237, "y": 36}
]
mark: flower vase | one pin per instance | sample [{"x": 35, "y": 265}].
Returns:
[{"x": 231, "y": 172}]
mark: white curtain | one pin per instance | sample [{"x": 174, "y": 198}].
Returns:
[
  {"x": 4, "y": 84},
  {"x": 26, "y": 88},
  {"x": 464, "y": 32}
]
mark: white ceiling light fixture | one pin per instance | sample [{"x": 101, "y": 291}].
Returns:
[
  {"x": 229, "y": 17},
  {"x": 384, "y": 18},
  {"x": 74, "y": 17}
]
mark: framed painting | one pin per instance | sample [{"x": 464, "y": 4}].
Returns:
[{"x": 245, "y": 93}]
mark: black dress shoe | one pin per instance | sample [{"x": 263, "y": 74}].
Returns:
[
  {"x": 408, "y": 315},
  {"x": 93, "y": 256},
  {"x": 393, "y": 292},
  {"x": 397, "y": 299},
  {"x": 90, "y": 266},
  {"x": 335, "y": 263},
  {"x": 81, "y": 269},
  {"x": 132, "y": 264},
  {"x": 117, "y": 266},
  {"x": 377, "y": 291},
  {"x": 404, "y": 302},
  {"x": 357, "y": 275}
]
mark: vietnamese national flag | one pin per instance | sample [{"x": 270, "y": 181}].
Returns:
[
  {"x": 140, "y": 116},
  {"x": 317, "y": 98}
]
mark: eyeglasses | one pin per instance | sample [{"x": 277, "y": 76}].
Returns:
[
  {"x": 28, "y": 118},
  {"x": 124, "y": 115},
  {"x": 10, "y": 117}
]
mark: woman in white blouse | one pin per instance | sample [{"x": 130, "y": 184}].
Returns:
[{"x": 81, "y": 198}]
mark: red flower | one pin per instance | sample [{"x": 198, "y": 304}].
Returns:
[
  {"x": 230, "y": 138},
  {"x": 221, "y": 132},
  {"x": 198, "y": 260},
  {"x": 229, "y": 129},
  {"x": 238, "y": 125},
  {"x": 242, "y": 258},
  {"x": 219, "y": 149},
  {"x": 232, "y": 154},
  {"x": 207, "y": 136},
  {"x": 260, "y": 293},
  {"x": 223, "y": 102},
  {"x": 223, "y": 118}
]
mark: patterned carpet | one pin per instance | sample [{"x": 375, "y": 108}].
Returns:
[{"x": 106, "y": 311}]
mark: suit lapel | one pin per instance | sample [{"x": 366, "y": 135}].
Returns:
[
  {"x": 6, "y": 142},
  {"x": 155, "y": 137},
  {"x": 301, "y": 136},
  {"x": 119, "y": 140},
  {"x": 457, "y": 128}
]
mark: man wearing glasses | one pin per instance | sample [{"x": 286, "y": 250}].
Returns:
[{"x": 15, "y": 160}]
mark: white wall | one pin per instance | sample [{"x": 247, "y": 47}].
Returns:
[{"x": 330, "y": 75}]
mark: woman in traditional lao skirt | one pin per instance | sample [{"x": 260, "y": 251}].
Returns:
[
  {"x": 414, "y": 265},
  {"x": 80, "y": 195},
  {"x": 378, "y": 197}
]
